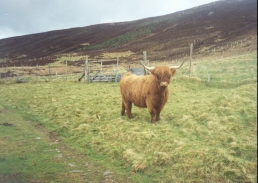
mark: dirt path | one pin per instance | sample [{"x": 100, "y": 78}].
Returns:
[{"x": 30, "y": 153}]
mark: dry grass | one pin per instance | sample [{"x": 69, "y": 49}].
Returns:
[{"x": 207, "y": 132}]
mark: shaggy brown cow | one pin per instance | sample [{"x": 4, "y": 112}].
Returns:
[{"x": 149, "y": 91}]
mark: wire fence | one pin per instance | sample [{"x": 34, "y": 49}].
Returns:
[
  {"x": 40, "y": 73},
  {"x": 70, "y": 71}
]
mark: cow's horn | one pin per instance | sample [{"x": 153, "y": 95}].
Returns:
[
  {"x": 146, "y": 67},
  {"x": 177, "y": 67}
]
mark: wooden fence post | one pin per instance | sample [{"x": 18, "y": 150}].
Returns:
[
  {"x": 145, "y": 57},
  {"x": 117, "y": 69},
  {"x": 48, "y": 72},
  {"x": 145, "y": 61},
  {"x": 6, "y": 72},
  {"x": 191, "y": 58},
  {"x": 66, "y": 70},
  {"x": 208, "y": 75},
  {"x": 37, "y": 72},
  {"x": 86, "y": 70},
  {"x": 18, "y": 79},
  {"x": 101, "y": 67},
  {"x": 13, "y": 75}
]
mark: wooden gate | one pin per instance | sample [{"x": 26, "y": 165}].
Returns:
[{"x": 101, "y": 71}]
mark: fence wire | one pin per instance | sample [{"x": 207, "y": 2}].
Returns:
[{"x": 72, "y": 72}]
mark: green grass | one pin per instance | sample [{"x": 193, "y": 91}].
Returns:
[
  {"x": 31, "y": 153},
  {"x": 25, "y": 155},
  {"x": 207, "y": 132}
]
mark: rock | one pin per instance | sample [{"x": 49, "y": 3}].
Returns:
[
  {"x": 71, "y": 165},
  {"x": 107, "y": 173},
  {"x": 76, "y": 171}
]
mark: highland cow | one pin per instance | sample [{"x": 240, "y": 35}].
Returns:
[{"x": 150, "y": 91}]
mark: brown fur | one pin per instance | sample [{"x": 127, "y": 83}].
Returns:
[{"x": 149, "y": 91}]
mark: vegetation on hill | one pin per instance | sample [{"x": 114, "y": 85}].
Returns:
[{"x": 210, "y": 24}]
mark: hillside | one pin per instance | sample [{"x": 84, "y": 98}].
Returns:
[{"x": 210, "y": 24}]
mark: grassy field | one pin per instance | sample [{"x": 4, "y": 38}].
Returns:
[
  {"x": 30, "y": 153},
  {"x": 207, "y": 132}
]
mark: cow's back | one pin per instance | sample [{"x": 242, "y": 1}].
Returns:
[{"x": 135, "y": 88}]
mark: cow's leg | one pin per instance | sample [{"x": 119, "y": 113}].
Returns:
[
  {"x": 158, "y": 116},
  {"x": 128, "y": 108},
  {"x": 123, "y": 109},
  {"x": 153, "y": 117},
  {"x": 152, "y": 112}
]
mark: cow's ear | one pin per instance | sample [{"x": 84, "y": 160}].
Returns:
[{"x": 173, "y": 71}]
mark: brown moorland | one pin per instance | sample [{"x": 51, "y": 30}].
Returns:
[{"x": 205, "y": 26}]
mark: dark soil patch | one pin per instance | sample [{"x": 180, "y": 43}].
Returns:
[{"x": 6, "y": 124}]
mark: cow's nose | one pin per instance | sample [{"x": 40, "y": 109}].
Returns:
[{"x": 163, "y": 83}]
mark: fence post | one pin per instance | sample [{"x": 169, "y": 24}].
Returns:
[
  {"x": 145, "y": 60},
  {"x": 145, "y": 57},
  {"x": 86, "y": 70},
  {"x": 48, "y": 72},
  {"x": 117, "y": 69},
  {"x": 13, "y": 75},
  {"x": 208, "y": 75},
  {"x": 6, "y": 72},
  {"x": 66, "y": 70},
  {"x": 191, "y": 58},
  {"x": 18, "y": 79},
  {"x": 24, "y": 68},
  {"x": 37, "y": 72},
  {"x": 101, "y": 68}
]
